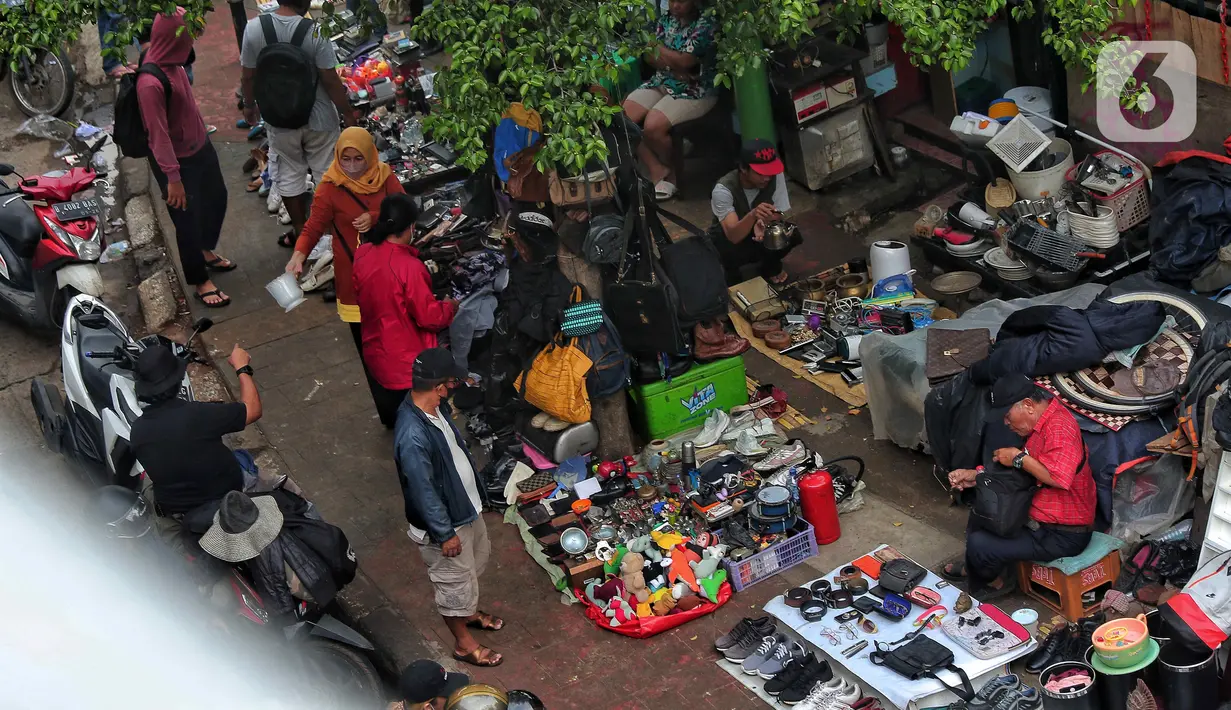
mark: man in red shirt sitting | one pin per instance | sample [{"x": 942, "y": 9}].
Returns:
[{"x": 1062, "y": 511}]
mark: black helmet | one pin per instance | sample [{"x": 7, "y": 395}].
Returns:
[
  {"x": 122, "y": 512},
  {"x": 524, "y": 700}
]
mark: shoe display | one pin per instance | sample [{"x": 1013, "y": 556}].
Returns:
[
  {"x": 783, "y": 654},
  {"x": 769, "y": 645},
  {"x": 747, "y": 444},
  {"x": 791, "y": 672},
  {"x": 1048, "y": 651},
  {"x": 763, "y": 626},
  {"x": 832, "y": 695},
  {"x": 745, "y": 648},
  {"x": 1082, "y": 639},
  {"x": 781, "y": 457},
  {"x": 983, "y": 698},
  {"x": 715, "y": 424},
  {"x": 805, "y": 682},
  {"x": 739, "y": 423}
]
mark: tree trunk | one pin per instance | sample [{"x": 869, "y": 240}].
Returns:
[{"x": 610, "y": 414}]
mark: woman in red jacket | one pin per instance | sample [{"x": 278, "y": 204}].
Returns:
[
  {"x": 401, "y": 316},
  {"x": 346, "y": 204}
]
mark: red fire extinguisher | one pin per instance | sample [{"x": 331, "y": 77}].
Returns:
[{"x": 816, "y": 498}]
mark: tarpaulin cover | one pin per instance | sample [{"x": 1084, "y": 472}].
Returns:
[
  {"x": 1190, "y": 217},
  {"x": 653, "y": 625}
]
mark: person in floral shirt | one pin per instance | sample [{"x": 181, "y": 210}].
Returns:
[{"x": 682, "y": 89}]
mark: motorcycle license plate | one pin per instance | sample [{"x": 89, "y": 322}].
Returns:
[{"x": 77, "y": 209}]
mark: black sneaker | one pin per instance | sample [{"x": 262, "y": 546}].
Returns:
[
  {"x": 805, "y": 682},
  {"x": 763, "y": 626},
  {"x": 790, "y": 674}
]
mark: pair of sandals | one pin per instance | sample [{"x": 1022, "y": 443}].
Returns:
[
  {"x": 954, "y": 570},
  {"x": 482, "y": 656},
  {"x": 219, "y": 264}
]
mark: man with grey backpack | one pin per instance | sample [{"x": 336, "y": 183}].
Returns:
[{"x": 290, "y": 83}]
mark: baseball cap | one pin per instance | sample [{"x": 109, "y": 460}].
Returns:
[
  {"x": 437, "y": 364},
  {"x": 424, "y": 680},
  {"x": 760, "y": 156},
  {"x": 1008, "y": 391}
]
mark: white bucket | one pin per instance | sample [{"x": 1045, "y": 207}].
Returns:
[
  {"x": 888, "y": 258},
  {"x": 285, "y": 290},
  {"x": 1036, "y": 184},
  {"x": 1037, "y": 99}
]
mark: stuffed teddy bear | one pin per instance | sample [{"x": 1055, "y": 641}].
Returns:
[
  {"x": 631, "y": 573},
  {"x": 620, "y": 612},
  {"x": 645, "y": 545},
  {"x": 662, "y": 602}
]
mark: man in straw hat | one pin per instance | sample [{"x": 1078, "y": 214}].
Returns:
[{"x": 443, "y": 504}]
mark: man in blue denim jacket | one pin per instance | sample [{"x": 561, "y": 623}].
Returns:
[{"x": 443, "y": 504}]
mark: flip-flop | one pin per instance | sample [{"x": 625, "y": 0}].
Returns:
[
  {"x": 955, "y": 561},
  {"x": 664, "y": 190},
  {"x": 220, "y": 264},
  {"x": 477, "y": 657},
  {"x": 486, "y": 622},
  {"x": 216, "y": 292}
]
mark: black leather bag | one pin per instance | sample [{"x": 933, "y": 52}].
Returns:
[
  {"x": 696, "y": 271},
  {"x": 1002, "y": 500},
  {"x": 901, "y": 575},
  {"x": 922, "y": 657}
]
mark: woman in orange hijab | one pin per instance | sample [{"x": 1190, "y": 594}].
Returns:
[{"x": 347, "y": 204}]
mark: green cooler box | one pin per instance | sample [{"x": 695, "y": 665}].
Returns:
[{"x": 664, "y": 408}]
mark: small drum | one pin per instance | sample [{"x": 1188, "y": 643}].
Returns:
[{"x": 774, "y": 501}]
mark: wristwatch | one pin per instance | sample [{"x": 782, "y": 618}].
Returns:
[
  {"x": 245, "y": 370},
  {"x": 1018, "y": 460}
]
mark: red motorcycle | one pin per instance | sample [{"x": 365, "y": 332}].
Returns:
[{"x": 49, "y": 244}]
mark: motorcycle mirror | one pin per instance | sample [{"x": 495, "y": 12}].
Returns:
[
  {"x": 203, "y": 325},
  {"x": 6, "y": 170}
]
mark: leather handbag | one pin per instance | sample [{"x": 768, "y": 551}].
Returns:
[
  {"x": 585, "y": 189},
  {"x": 526, "y": 182},
  {"x": 695, "y": 269},
  {"x": 922, "y": 657},
  {"x": 952, "y": 351},
  {"x": 555, "y": 382},
  {"x": 901, "y": 575}
]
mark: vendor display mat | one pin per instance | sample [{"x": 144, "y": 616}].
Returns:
[
  {"x": 828, "y": 381},
  {"x": 893, "y": 687}
]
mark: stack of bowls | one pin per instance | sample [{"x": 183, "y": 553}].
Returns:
[
  {"x": 1098, "y": 232},
  {"x": 1008, "y": 269},
  {"x": 970, "y": 250}
]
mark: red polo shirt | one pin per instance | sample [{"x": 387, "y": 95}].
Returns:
[{"x": 1056, "y": 443}]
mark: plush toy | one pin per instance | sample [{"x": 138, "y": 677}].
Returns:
[
  {"x": 609, "y": 590},
  {"x": 688, "y": 603},
  {"x": 718, "y": 551},
  {"x": 644, "y": 610},
  {"x": 634, "y": 579},
  {"x": 620, "y": 612},
  {"x": 711, "y": 584},
  {"x": 591, "y": 588},
  {"x": 662, "y": 602},
  {"x": 681, "y": 569},
  {"x": 612, "y": 568},
  {"x": 679, "y": 589},
  {"x": 645, "y": 545},
  {"x": 667, "y": 541}
]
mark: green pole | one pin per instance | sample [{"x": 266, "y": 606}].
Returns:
[{"x": 756, "y": 118}]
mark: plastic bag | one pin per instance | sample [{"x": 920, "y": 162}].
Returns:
[
  {"x": 1150, "y": 497},
  {"x": 45, "y": 126}
]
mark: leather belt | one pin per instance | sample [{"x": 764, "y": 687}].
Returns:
[
  {"x": 813, "y": 610},
  {"x": 821, "y": 588},
  {"x": 797, "y": 597},
  {"x": 840, "y": 599},
  {"x": 1067, "y": 528},
  {"x": 856, "y": 585}
]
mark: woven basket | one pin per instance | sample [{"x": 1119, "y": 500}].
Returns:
[{"x": 998, "y": 195}]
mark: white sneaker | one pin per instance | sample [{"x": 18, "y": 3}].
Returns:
[
  {"x": 738, "y": 424},
  {"x": 817, "y": 699},
  {"x": 835, "y": 694},
  {"x": 767, "y": 432},
  {"x": 715, "y": 425},
  {"x": 748, "y": 445},
  {"x": 785, "y": 456}
]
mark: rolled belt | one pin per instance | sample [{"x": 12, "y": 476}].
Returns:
[
  {"x": 840, "y": 599},
  {"x": 813, "y": 610},
  {"x": 856, "y": 585},
  {"x": 820, "y": 588},
  {"x": 797, "y": 597}
]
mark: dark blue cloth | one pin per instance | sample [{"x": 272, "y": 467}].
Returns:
[
  {"x": 436, "y": 500},
  {"x": 1188, "y": 218},
  {"x": 988, "y": 554}
]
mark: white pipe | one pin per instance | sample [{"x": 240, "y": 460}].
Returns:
[{"x": 1092, "y": 139}]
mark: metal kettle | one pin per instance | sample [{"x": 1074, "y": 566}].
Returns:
[{"x": 778, "y": 235}]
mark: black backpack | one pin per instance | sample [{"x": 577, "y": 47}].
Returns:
[
  {"x": 286, "y": 77},
  {"x": 696, "y": 270},
  {"x": 129, "y": 133}
]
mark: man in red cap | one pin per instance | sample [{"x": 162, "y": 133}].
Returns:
[{"x": 744, "y": 202}]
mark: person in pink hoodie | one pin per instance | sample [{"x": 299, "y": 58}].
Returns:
[{"x": 183, "y": 159}]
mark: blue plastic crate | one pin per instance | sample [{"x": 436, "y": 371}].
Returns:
[{"x": 772, "y": 560}]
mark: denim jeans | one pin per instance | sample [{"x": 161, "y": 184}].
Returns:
[{"x": 107, "y": 22}]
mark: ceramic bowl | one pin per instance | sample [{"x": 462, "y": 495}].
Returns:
[{"x": 1122, "y": 642}]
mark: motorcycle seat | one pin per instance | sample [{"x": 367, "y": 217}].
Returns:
[
  {"x": 19, "y": 225},
  {"x": 96, "y": 373}
]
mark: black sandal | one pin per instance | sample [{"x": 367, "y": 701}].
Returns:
[
  {"x": 287, "y": 240},
  {"x": 226, "y": 300},
  {"x": 954, "y": 562},
  {"x": 220, "y": 264}
]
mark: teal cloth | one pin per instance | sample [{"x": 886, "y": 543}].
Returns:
[{"x": 1098, "y": 548}]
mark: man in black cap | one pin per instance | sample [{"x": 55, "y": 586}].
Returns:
[
  {"x": 1062, "y": 509},
  {"x": 425, "y": 685},
  {"x": 179, "y": 443},
  {"x": 744, "y": 202},
  {"x": 443, "y": 503}
]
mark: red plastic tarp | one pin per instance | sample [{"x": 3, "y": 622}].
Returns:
[{"x": 653, "y": 625}]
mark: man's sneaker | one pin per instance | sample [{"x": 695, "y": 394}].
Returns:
[
  {"x": 794, "y": 668},
  {"x": 805, "y": 682},
  {"x": 780, "y": 457},
  {"x": 834, "y": 695},
  {"x": 783, "y": 654},
  {"x": 739, "y": 423},
  {"x": 747, "y": 444},
  {"x": 763, "y": 626},
  {"x": 983, "y": 698},
  {"x": 763, "y": 653},
  {"x": 745, "y": 648},
  {"x": 715, "y": 425}
]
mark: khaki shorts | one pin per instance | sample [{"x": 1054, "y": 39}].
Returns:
[
  {"x": 456, "y": 579},
  {"x": 676, "y": 110},
  {"x": 294, "y": 152}
]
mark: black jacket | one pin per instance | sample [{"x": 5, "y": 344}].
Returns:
[{"x": 436, "y": 500}]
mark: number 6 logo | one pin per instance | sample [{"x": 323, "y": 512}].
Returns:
[{"x": 1178, "y": 70}]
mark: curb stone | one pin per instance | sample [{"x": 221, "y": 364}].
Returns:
[
  {"x": 158, "y": 303},
  {"x": 142, "y": 226}
]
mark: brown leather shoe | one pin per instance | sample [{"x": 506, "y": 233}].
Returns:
[
  {"x": 731, "y": 346},
  {"x": 710, "y": 333}
]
